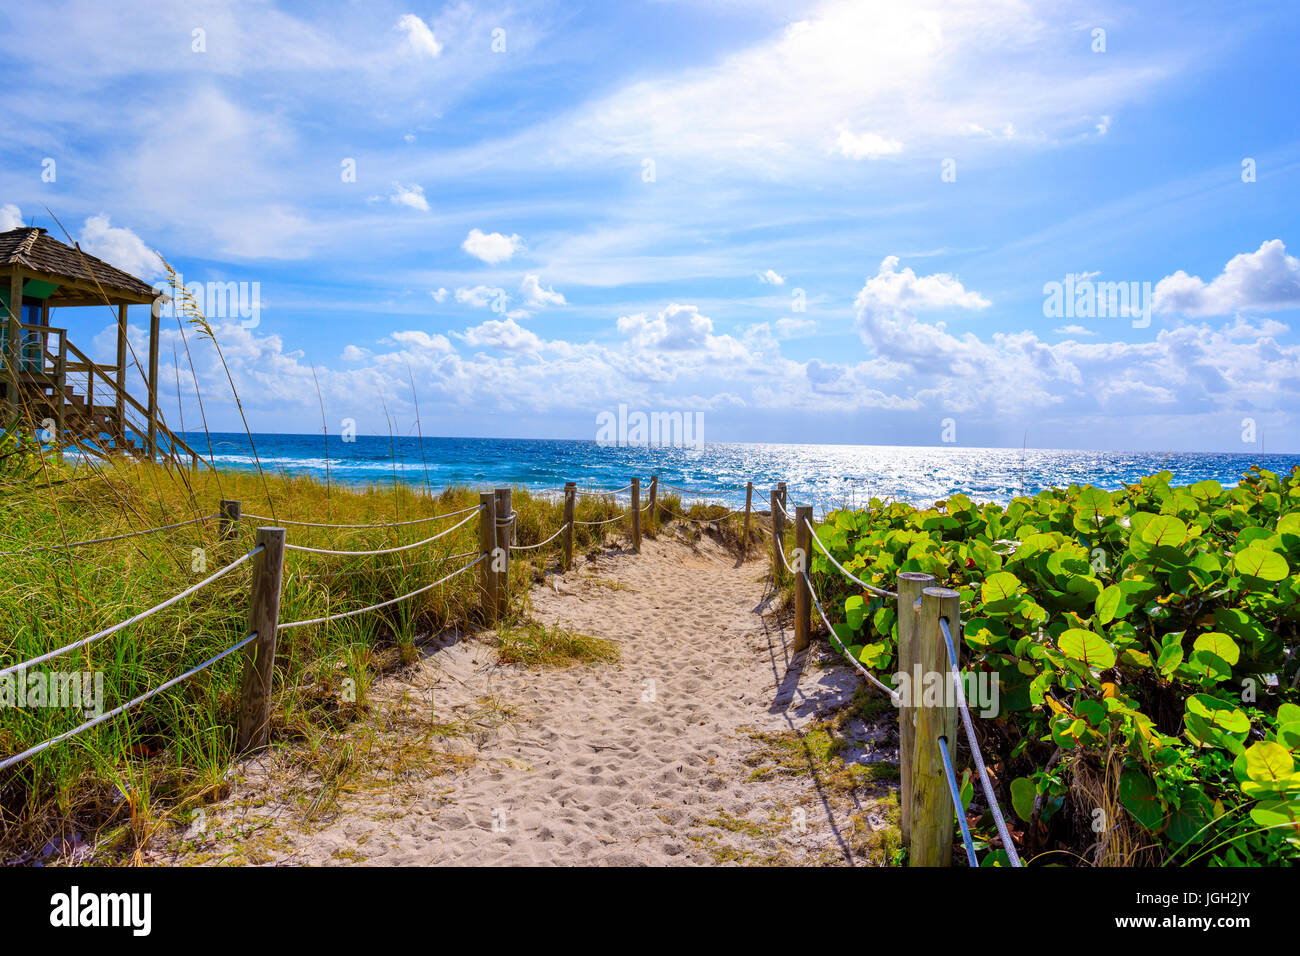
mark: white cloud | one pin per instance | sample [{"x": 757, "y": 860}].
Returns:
[
  {"x": 1073, "y": 330},
  {"x": 889, "y": 302},
  {"x": 10, "y": 217},
  {"x": 491, "y": 247},
  {"x": 794, "y": 328},
  {"x": 535, "y": 295},
  {"x": 421, "y": 340},
  {"x": 771, "y": 277},
  {"x": 409, "y": 194},
  {"x": 505, "y": 334},
  {"x": 353, "y": 353},
  {"x": 1263, "y": 280},
  {"x": 481, "y": 296},
  {"x": 865, "y": 145},
  {"x": 1103, "y": 125},
  {"x": 419, "y": 38},
  {"x": 120, "y": 247},
  {"x": 439, "y": 295}
]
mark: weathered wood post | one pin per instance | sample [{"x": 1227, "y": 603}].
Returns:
[
  {"x": 802, "y": 605},
  {"x": 785, "y": 502},
  {"x": 778, "y": 530},
  {"x": 227, "y": 523},
  {"x": 932, "y": 807},
  {"x": 636, "y": 515},
  {"x": 505, "y": 532},
  {"x": 259, "y": 655},
  {"x": 61, "y": 373},
  {"x": 653, "y": 523},
  {"x": 570, "y": 506},
  {"x": 910, "y": 586},
  {"x": 749, "y": 501},
  {"x": 487, "y": 542}
]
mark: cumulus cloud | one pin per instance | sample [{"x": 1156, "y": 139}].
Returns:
[
  {"x": 890, "y": 301},
  {"x": 865, "y": 145},
  {"x": 1073, "y": 330},
  {"x": 771, "y": 277},
  {"x": 410, "y": 195},
  {"x": 676, "y": 328},
  {"x": 535, "y": 295},
  {"x": 491, "y": 247},
  {"x": 10, "y": 217},
  {"x": 481, "y": 296},
  {"x": 505, "y": 334},
  {"x": 439, "y": 295},
  {"x": 1263, "y": 280},
  {"x": 418, "y": 339},
  {"x": 419, "y": 38},
  {"x": 120, "y": 247},
  {"x": 353, "y": 353}
]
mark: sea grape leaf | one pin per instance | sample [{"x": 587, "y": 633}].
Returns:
[
  {"x": 1088, "y": 648},
  {"x": 1138, "y": 796},
  {"x": 999, "y": 587},
  {"x": 1257, "y": 562}
]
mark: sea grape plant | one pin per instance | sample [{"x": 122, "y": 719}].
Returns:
[{"x": 1148, "y": 635}]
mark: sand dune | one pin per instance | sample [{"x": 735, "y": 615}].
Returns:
[{"x": 657, "y": 759}]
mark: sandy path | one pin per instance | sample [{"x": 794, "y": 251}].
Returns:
[{"x": 651, "y": 760}]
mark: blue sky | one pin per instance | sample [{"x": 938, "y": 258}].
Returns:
[{"x": 823, "y": 222}]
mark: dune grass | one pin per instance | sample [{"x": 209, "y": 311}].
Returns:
[
  {"x": 537, "y": 645},
  {"x": 174, "y": 751}
]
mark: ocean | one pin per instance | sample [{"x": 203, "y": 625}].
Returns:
[{"x": 825, "y": 476}]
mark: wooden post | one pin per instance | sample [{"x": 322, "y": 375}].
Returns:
[
  {"x": 932, "y": 807},
  {"x": 505, "y": 524},
  {"x": 636, "y": 515},
  {"x": 802, "y": 605},
  {"x": 259, "y": 655},
  {"x": 487, "y": 542},
  {"x": 120, "y": 409},
  {"x": 61, "y": 390},
  {"x": 12, "y": 359},
  {"x": 910, "y": 586},
  {"x": 653, "y": 523},
  {"x": 570, "y": 505},
  {"x": 778, "y": 531},
  {"x": 226, "y": 524},
  {"x": 151, "y": 440},
  {"x": 749, "y": 501},
  {"x": 785, "y": 498}
]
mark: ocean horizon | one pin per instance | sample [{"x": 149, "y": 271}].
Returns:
[{"x": 824, "y": 476}]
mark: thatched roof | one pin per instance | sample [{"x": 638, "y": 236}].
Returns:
[{"x": 34, "y": 251}]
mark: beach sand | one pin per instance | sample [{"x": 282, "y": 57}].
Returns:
[{"x": 703, "y": 744}]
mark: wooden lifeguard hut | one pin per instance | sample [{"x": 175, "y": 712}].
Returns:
[{"x": 47, "y": 384}]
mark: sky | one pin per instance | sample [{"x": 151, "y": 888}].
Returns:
[{"x": 834, "y": 222}]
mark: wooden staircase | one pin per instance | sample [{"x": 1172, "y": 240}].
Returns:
[{"x": 60, "y": 390}]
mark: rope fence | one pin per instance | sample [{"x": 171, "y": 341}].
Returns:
[{"x": 927, "y": 618}]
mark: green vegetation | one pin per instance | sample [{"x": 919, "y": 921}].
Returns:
[
  {"x": 1145, "y": 645},
  {"x": 170, "y": 754}
]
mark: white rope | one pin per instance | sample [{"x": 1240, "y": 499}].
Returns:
[
  {"x": 980, "y": 769},
  {"x": 607, "y": 520},
  {"x": 729, "y": 514},
  {"x": 404, "y": 547},
  {"x": 893, "y": 695},
  {"x": 530, "y": 547},
  {"x": 953, "y": 789},
  {"x": 132, "y": 620},
  {"x": 389, "y": 567},
  {"x": 375, "y": 607},
  {"x": 33, "y": 751},
  {"x": 392, "y": 524},
  {"x": 116, "y": 537},
  {"x": 856, "y": 580},
  {"x": 597, "y": 493}
]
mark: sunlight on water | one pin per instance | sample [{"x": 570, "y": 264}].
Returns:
[{"x": 825, "y": 476}]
